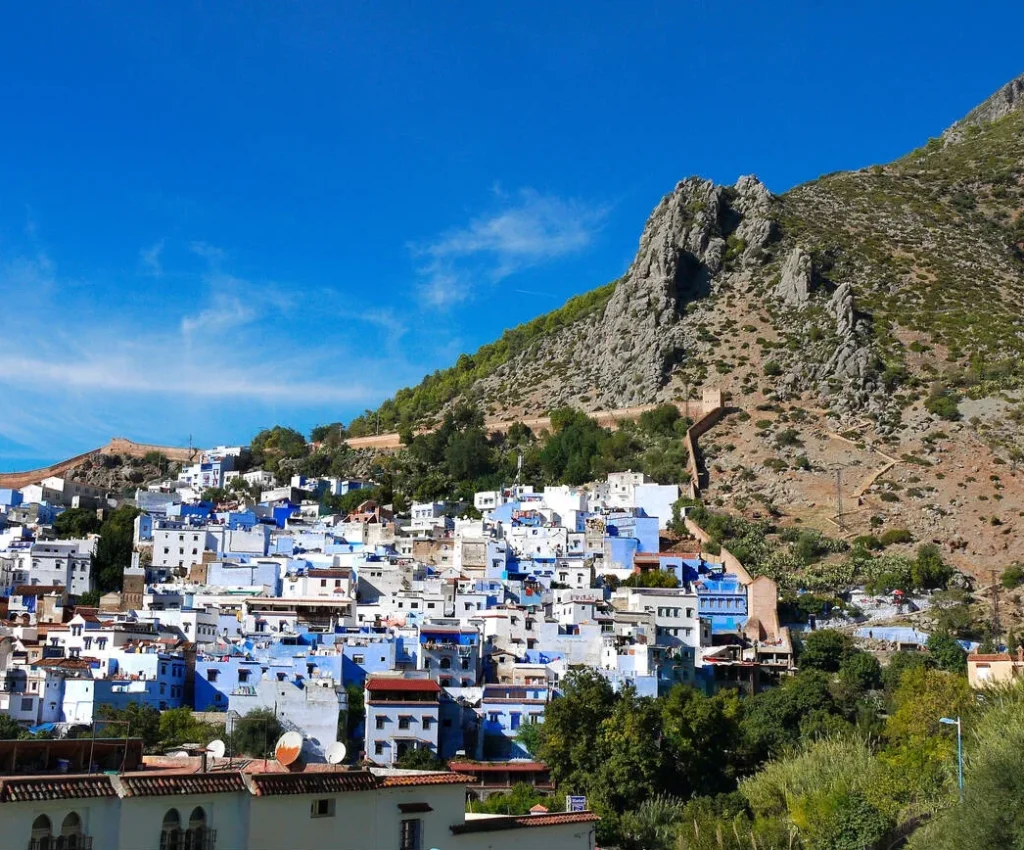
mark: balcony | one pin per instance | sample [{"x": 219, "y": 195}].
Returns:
[{"x": 62, "y": 842}]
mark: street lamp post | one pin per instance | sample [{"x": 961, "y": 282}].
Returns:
[{"x": 949, "y": 721}]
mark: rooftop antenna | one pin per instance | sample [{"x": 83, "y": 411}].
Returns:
[{"x": 519, "y": 470}]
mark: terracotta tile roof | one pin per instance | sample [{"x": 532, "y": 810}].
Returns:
[
  {"x": 397, "y": 684},
  {"x": 473, "y": 766},
  {"x": 37, "y": 589},
  {"x": 279, "y": 784},
  {"x": 67, "y": 663},
  {"x": 404, "y": 779},
  {"x": 998, "y": 656},
  {"x": 521, "y": 821},
  {"x": 325, "y": 573},
  {"x": 166, "y": 785},
  {"x": 19, "y": 789}
]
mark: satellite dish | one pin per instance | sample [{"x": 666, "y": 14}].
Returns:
[
  {"x": 179, "y": 754},
  {"x": 216, "y": 749},
  {"x": 335, "y": 753},
  {"x": 288, "y": 748}
]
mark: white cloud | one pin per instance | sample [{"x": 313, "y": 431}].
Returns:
[
  {"x": 150, "y": 258},
  {"x": 225, "y": 312},
  {"x": 528, "y": 230}
]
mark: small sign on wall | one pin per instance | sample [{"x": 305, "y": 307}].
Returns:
[{"x": 575, "y": 804}]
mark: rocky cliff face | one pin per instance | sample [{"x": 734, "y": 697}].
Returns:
[{"x": 855, "y": 292}]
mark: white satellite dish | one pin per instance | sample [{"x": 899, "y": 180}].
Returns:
[
  {"x": 216, "y": 749},
  {"x": 288, "y": 748},
  {"x": 178, "y": 754},
  {"x": 335, "y": 753}
]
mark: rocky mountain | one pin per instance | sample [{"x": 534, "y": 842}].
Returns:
[{"x": 883, "y": 304}]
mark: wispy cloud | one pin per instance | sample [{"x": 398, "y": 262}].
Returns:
[
  {"x": 208, "y": 354},
  {"x": 526, "y": 230},
  {"x": 150, "y": 259},
  {"x": 224, "y": 313}
]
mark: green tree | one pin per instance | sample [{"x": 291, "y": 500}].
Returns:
[
  {"x": 11, "y": 728},
  {"x": 1013, "y": 576},
  {"x": 179, "y": 726},
  {"x": 861, "y": 672},
  {"x": 929, "y": 570},
  {"x": 946, "y": 653},
  {"x": 517, "y": 801},
  {"x": 651, "y": 578},
  {"x": 216, "y": 495},
  {"x": 114, "y": 548},
  {"x": 356, "y": 714},
  {"x": 135, "y": 719},
  {"x": 825, "y": 650},
  {"x": 256, "y": 733},
  {"x": 273, "y": 445},
  {"x": 660, "y": 421},
  {"x": 76, "y": 522},
  {"x": 700, "y": 734},
  {"x": 529, "y": 738},
  {"x": 569, "y": 736}
]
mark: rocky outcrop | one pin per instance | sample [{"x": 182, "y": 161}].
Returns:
[
  {"x": 758, "y": 229},
  {"x": 1009, "y": 98},
  {"x": 794, "y": 287},
  {"x": 851, "y": 361}
]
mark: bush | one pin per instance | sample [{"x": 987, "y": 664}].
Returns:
[
  {"x": 1013, "y": 576},
  {"x": 895, "y": 536},
  {"x": 943, "y": 403},
  {"x": 772, "y": 369}
]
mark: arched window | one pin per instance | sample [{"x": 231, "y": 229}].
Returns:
[
  {"x": 42, "y": 835},
  {"x": 446, "y": 664},
  {"x": 70, "y": 837},
  {"x": 197, "y": 832},
  {"x": 170, "y": 831}
]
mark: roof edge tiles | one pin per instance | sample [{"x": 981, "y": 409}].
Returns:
[
  {"x": 167, "y": 785},
  {"x": 20, "y": 789},
  {"x": 495, "y": 824},
  {"x": 405, "y": 779},
  {"x": 283, "y": 784}
]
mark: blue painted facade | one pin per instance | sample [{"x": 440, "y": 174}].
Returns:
[
  {"x": 504, "y": 709},
  {"x": 723, "y": 601}
]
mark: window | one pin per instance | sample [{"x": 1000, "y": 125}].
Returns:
[
  {"x": 404, "y": 722},
  {"x": 87, "y": 642},
  {"x": 198, "y": 836},
  {"x": 412, "y": 829},
  {"x": 358, "y": 659},
  {"x": 465, "y": 663},
  {"x": 170, "y": 831},
  {"x": 380, "y": 722},
  {"x": 323, "y": 808},
  {"x": 211, "y": 675},
  {"x": 243, "y": 676},
  {"x": 427, "y": 721},
  {"x": 323, "y": 582},
  {"x": 517, "y": 718},
  {"x": 378, "y": 748},
  {"x": 26, "y": 704},
  {"x": 446, "y": 664}
]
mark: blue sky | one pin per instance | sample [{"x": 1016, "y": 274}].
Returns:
[{"x": 219, "y": 216}]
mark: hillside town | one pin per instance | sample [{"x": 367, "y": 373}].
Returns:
[{"x": 272, "y": 604}]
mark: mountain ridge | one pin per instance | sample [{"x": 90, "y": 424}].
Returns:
[{"x": 651, "y": 335}]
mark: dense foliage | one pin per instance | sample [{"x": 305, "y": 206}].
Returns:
[
  {"x": 76, "y": 522},
  {"x": 842, "y": 756},
  {"x": 114, "y": 548}
]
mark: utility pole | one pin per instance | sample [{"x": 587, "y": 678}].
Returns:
[
  {"x": 839, "y": 500},
  {"x": 996, "y": 627}
]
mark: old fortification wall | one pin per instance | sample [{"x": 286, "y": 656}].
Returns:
[{"x": 116, "y": 446}]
